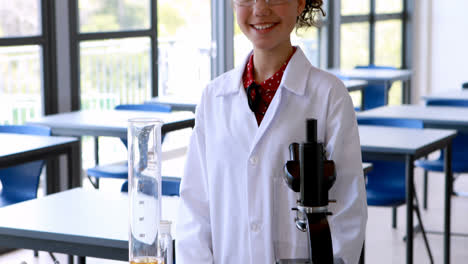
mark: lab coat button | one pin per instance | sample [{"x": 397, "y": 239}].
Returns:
[
  {"x": 255, "y": 227},
  {"x": 253, "y": 160}
]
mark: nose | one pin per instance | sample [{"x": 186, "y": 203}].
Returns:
[{"x": 261, "y": 8}]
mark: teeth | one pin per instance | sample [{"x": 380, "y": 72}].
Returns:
[{"x": 260, "y": 27}]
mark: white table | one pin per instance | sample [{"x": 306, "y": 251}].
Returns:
[
  {"x": 17, "y": 149},
  {"x": 110, "y": 123},
  {"x": 432, "y": 116},
  {"x": 380, "y": 76},
  {"x": 76, "y": 222},
  {"x": 459, "y": 94}
]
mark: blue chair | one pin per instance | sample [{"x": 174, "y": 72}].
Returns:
[
  {"x": 120, "y": 170},
  {"x": 386, "y": 182},
  {"x": 374, "y": 93},
  {"x": 459, "y": 150},
  {"x": 20, "y": 183},
  {"x": 170, "y": 186}
]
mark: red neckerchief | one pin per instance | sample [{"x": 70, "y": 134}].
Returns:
[{"x": 267, "y": 88}]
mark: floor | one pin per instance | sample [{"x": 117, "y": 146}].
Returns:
[{"x": 383, "y": 244}]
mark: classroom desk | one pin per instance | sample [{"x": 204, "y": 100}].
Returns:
[
  {"x": 459, "y": 94},
  {"x": 18, "y": 148},
  {"x": 432, "y": 117},
  {"x": 408, "y": 145},
  {"x": 110, "y": 123},
  {"x": 380, "y": 76},
  {"x": 189, "y": 104},
  {"x": 81, "y": 222}
]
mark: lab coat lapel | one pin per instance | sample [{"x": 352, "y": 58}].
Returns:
[
  {"x": 241, "y": 117},
  {"x": 294, "y": 81},
  {"x": 267, "y": 119}
]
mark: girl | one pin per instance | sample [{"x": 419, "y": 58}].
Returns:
[{"x": 234, "y": 205}]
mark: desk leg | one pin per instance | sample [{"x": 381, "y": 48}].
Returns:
[
  {"x": 96, "y": 157},
  {"x": 74, "y": 165},
  {"x": 386, "y": 88},
  {"x": 409, "y": 208},
  {"x": 70, "y": 259},
  {"x": 448, "y": 192},
  {"x": 407, "y": 89},
  {"x": 52, "y": 176},
  {"x": 362, "y": 99}
]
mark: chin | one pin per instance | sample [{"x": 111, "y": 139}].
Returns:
[{"x": 264, "y": 45}]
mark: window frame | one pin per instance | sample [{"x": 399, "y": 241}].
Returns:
[
  {"x": 76, "y": 37},
  {"x": 47, "y": 41},
  {"x": 372, "y": 18}
]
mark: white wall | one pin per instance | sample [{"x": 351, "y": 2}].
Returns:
[{"x": 449, "y": 44}]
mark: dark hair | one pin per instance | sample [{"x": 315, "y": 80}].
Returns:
[{"x": 308, "y": 17}]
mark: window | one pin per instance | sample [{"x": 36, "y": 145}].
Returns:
[
  {"x": 184, "y": 41},
  {"x": 372, "y": 32},
  {"x": 127, "y": 51},
  {"x": 24, "y": 61}
]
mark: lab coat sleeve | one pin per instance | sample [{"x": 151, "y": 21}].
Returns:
[
  {"x": 348, "y": 222},
  {"x": 193, "y": 230}
]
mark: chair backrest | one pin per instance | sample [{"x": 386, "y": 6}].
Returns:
[
  {"x": 153, "y": 107},
  {"x": 20, "y": 183},
  {"x": 374, "y": 94},
  {"x": 390, "y": 122},
  {"x": 386, "y": 182},
  {"x": 460, "y": 142},
  {"x": 465, "y": 85}
]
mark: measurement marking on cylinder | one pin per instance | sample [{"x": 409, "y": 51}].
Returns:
[
  {"x": 141, "y": 218},
  {"x": 142, "y": 235},
  {"x": 141, "y": 202}
]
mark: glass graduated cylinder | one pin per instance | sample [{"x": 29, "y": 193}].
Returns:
[{"x": 144, "y": 178}]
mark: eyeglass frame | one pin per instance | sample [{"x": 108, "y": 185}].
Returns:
[{"x": 253, "y": 2}]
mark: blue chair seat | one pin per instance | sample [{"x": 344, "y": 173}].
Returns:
[
  {"x": 388, "y": 197},
  {"x": 117, "y": 171},
  {"x": 10, "y": 199},
  {"x": 386, "y": 184}
]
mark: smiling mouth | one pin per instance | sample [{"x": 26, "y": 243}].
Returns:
[{"x": 263, "y": 26}]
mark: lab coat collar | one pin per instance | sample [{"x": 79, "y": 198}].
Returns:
[
  {"x": 293, "y": 78},
  {"x": 234, "y": 79}
]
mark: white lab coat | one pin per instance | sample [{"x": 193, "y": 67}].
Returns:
[{"x": 234, "y": 206}]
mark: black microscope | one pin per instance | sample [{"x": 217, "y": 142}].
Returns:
[{"x": 311, "y": 174}]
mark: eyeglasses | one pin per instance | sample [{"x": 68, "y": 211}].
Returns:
[{"x": 268, "y": 2}]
